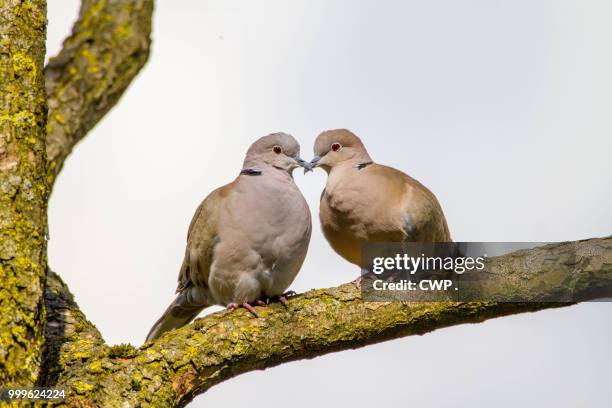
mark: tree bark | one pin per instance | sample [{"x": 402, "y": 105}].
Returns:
[
  {"x": 23, "y": 189},
  {"x": 108, "y": 46}
]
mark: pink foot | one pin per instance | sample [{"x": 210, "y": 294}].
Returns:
[
  {"x": 284, "y": 297},
  {"x": 357, "y": 282},
  {"x": 250, "y": 308},
  {"x": 247, "y": 306}
]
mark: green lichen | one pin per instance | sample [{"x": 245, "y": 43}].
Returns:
[
  {"x": 23, "y": 119},
  {"x": 96, "y": 367},
  {"x": 91, "y": 60},
  {"x": 123, "y": 350},
  {"x": 123, "y": 31},
  {"x": 82, "y": 387},
  {"x": 135, "y": 384},
  {"x": 23, "y": 64}
]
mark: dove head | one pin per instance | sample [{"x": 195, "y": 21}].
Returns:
[
  {"x": 278, "y": 150},
  {"x": 338, "y": 146}
]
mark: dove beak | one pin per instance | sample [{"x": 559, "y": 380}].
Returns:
[
  {"x": 314, "y": 162},
  {"x": 303, "y": 163}
]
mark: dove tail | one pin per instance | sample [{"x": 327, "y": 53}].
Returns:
[{"x": 179, "y": 313}]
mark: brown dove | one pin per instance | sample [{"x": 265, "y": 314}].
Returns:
[
  {"x": 368, "y": 202},
  {"x": 247, "y": 240}
]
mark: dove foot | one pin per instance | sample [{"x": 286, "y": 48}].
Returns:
[
  {"x": 357, "y": 282},
  {"x": 282, "y": 299},
  {"x": 247, "y": 306},
  {"x": 266, "y": 300}
]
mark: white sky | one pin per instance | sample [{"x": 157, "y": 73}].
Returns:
[{"x": 502, "y": 108}]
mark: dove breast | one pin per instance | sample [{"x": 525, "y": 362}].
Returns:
[
  {"x": 263, "y": 235},
  {"x": 377, "y": 204}
]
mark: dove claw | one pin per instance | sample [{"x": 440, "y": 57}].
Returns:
[
  {"x": 245, "y": 305},
  {"x": 250, "y": 308}
]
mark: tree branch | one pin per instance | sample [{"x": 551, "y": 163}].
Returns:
[
  {"x": 23, "y": 191},
  {"x": 186, "y": 362},
  {"x": 69, "y": 336},
  {"x": 108, "y": 46}
]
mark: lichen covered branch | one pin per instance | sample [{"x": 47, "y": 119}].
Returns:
[
  {"x": 108, "y": 46},
  {"x": 69, "y": 335},
  {"x": 23, "y": 191},
  {"x": 186, "y": 362}
]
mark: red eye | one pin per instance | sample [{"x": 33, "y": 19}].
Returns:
[
  {"x": 277, "y": 149},
  {"x": 336, "y": 146}
]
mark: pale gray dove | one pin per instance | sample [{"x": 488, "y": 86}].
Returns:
[
  {"x": 247, "y": 240},
  {"x": 367, "y": 202}
]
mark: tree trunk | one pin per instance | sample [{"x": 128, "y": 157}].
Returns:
[{"x": 23, "y": 190}]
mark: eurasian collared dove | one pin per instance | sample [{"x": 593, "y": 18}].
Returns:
[
  {"x": 368, "y": 202},
  {"x": 247, "y": 240}
]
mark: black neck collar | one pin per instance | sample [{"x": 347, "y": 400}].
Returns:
[
  {"x": 251, "y": 172},
  {"x": 363, "y": 165}
]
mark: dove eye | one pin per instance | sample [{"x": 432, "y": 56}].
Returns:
[
  {"x": 336, "y": 146},
  {"x": 277, "y": 149}
]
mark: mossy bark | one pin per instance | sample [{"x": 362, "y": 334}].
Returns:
[
  {"x": 183, "y": 363},
  {"x": 109, "y": 44},
  {"x": 23, "y": 189}
]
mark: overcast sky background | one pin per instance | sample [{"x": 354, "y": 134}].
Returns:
[{"x": 502, "y": 108}]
